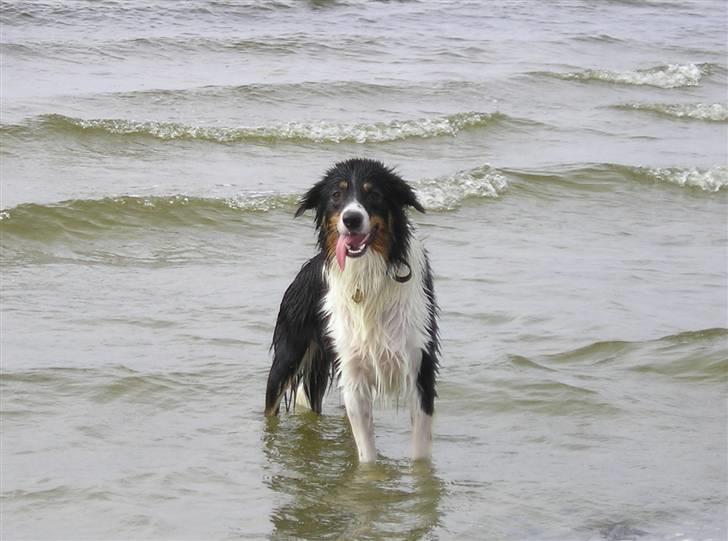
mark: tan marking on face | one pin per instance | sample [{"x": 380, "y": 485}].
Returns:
[
  {"x": 343, "y": 185},
  {"x": 381, "y": 241},
  {"x": 332, "y": 234}
]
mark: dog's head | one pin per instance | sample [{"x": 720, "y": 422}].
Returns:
[{"x": 361, "y": 206}]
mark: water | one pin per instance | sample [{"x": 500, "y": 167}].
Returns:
[{"x": 572, "y": 159}]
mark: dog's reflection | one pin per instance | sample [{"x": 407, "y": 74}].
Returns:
[{"x": 323, "y": 493}]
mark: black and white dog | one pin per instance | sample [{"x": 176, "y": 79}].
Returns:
[{"x": 363, "y": 309}]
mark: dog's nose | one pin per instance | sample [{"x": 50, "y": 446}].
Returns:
[{"x": 352, "y": 220}]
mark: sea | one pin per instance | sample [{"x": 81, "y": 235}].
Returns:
[{"x": 572, "y": 158}]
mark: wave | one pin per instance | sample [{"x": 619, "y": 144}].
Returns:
[
  {"x": 668, "y": 76},
  {"x": 715, "y": 112},
  {"x": 691, "y": 355},
  {"x": 286, "y": 91},
  {"x": 62, "y": 14},
  {"x": 117, "y": 382},
  {"x": 316, "y": 132},
  {"x": 288, "y": 44},
  {"x": 87, "y": 217},
  {"x": 84, "y": 218},
  {"x": 600, "y": 176},
  {"x": 707, "y": 180},
  {"x": 597, "y": 38},
  {"x": 710, "y": 180},
  {"x": 449, "y": 192}
]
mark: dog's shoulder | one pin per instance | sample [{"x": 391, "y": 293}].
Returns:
[
  {"x": 310, "y": 274},
  {"x": 299, "y": 307}
]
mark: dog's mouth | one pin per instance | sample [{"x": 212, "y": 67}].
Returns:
[{"x": 353, "y": 245}]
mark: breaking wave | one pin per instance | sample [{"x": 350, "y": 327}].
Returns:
[
  {"x": 84, "y": 218},
  {"x": 317, "y": 132},
  {"x": 707, "y": 180},
  {"x": 449, "y": 192},
  {"x": 602, "y": 176},
  {"x": 668, "y": 76},
  {"x": 713, "y": 112}
]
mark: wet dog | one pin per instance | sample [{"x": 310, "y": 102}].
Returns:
[{"x": 362, "y": 311}]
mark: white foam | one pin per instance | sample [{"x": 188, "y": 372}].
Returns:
[
  {"x": 714, "y": 112},
  {"x": 449, "y": 192},
  {"x": 260, "y": 202},
  {"x": 320, "y": 132},
  {"x": 709, "y": 180},
  {"x": 669, "y": 76}
]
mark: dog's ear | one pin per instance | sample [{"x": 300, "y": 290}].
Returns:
[
  {"x": 310, "y": 199},
  {"x": 406, "y": 195}
]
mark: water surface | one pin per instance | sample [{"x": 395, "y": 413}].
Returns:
[{"x": 571, "y": 157}]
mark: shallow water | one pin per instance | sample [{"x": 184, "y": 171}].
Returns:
[{"x": 571, "y": 156}]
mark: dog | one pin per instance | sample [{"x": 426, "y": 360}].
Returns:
[{"x": 362, "y": 311}]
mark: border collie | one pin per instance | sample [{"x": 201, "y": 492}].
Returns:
[{"x": 362, "y": 311}]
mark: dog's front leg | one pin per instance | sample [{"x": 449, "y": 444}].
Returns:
[
  {"x": 421, "y": 433},
  {"x": 423, "y": 407},
  {"x": 359, "y": 410}
]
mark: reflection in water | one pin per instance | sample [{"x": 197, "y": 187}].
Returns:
[{"x": 324, "y": 494}]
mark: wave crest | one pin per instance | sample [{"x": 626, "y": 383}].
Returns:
[
  {"x": 604, "y": 176},
  {"x": 708, "y": 180},
  {"x": 669, "y": 76},
  {"x": 715, "y": 112},
  {"x": 317, "y": 132},
  {"x": 85, "y": 218},
  {"x": 449, "y": 192}
]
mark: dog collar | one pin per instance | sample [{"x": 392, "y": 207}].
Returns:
[{"x": 406, "y": 277}]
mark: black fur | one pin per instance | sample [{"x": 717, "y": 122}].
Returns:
[
  {"x": 300, "y": 328},
  {"x": 430, "y": 364},
  {"x": 300, "y": 332}
]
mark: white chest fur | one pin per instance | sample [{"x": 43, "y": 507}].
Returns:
[{"x": 378, "y": 325}]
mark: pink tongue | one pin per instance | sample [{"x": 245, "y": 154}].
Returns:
[
  {"x": 352, "y": 240},
  {"x": 341, "y": 251}
]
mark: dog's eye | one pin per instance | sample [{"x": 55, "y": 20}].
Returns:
[
  {"x": 336, "y": 196},
  {"x": 376, "y": 196}
]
